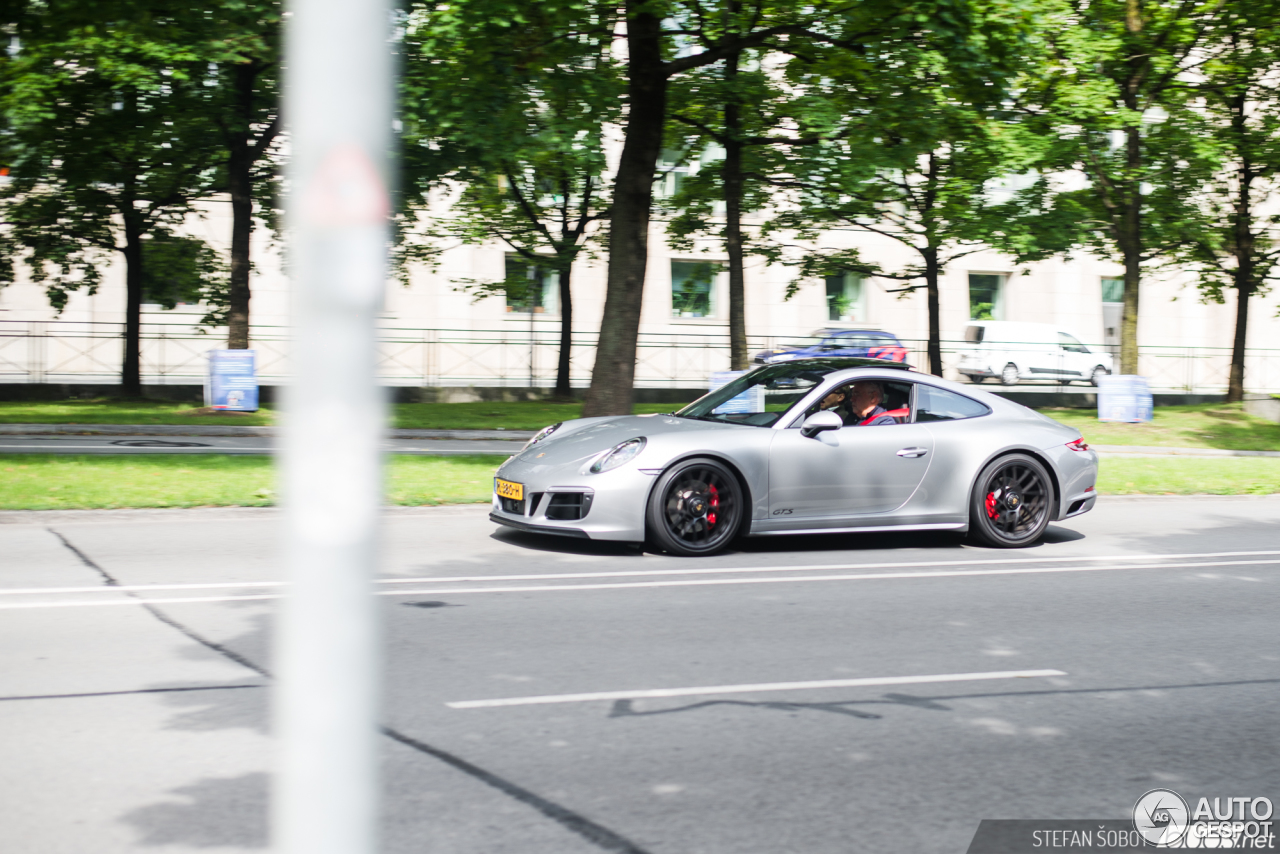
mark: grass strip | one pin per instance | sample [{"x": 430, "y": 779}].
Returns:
[
  {"x": 64, "y": 482},
  {"x": 109, "y": 411},
  {"x": 1213, "y": 425},
  {"x": 1189, "y": 476}
]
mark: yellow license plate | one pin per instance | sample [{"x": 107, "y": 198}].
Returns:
[{"x": 507, "y": 489}]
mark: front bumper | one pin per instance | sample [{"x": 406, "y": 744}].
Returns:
[{"x": 615, "y": 499}]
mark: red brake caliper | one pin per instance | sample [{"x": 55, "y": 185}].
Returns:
[
  {"x": 991, "y": 505},
  {"x": 715, "y": 502}
]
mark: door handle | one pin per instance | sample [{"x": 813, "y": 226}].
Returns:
[{"x": 913, "y": 452}]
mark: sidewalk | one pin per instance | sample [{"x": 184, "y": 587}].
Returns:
[{"x": 238, "y": 431}]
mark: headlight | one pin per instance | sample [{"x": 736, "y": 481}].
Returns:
[
  {"x": 541, "y": 434},
  {"x": 621, "y": 454}
]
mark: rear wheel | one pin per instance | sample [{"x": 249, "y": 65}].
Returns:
[
  {"x": 695, "y": 509},
  {"x": 1012, "y": 502},
  {"x": 1098, "y": 372},
  {"x": 1009, "y": 375}
]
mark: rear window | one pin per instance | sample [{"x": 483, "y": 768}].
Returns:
[
  {"x": 973, "y": 334},
  {"x": 936, "y": 404}
]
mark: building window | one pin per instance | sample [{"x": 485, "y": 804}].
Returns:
[
  {"x": 692, "y": 288},
  {"x": 673, "y": 167},
  {"x": 986, "y": 296},
  {"x": 1112, "y": 312},
  {"x": 844, "y": 297},
  {"x": 531, "y": 287}
]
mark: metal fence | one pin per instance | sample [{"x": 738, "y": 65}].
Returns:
[{"x": 174, "y": 354}]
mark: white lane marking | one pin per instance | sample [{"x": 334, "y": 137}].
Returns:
[
  {"x": 703, "y": 582},
  {"x": 101, "y": 603},
  {"x": 140, "y": 588},
  {"x": 558, "y": 576},
  {"x": 816, "y": 566},
  {"x": 871, "y": 576},
  {"x": 750, "y": 689}
]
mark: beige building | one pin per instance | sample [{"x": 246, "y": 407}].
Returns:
[{"x": 437, "y": 334}]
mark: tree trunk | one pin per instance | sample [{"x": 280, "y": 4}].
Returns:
[
  {"x": 1243, "y": 244},
  {"x": 240, "y": 186},
  {"x": 563, "y": 391},
  {"x": 1130, "y": 248},
  {"x": 731, "y": 177},
  {"x": 613, "y": 377},
  {"x": 931, "y": 272},
  {"x": 131, "y": 371}
]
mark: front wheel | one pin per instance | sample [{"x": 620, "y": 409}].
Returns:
[
  {"x": 695, "y": 509},
  {"x": 1009, "y": 375},
  {"x": 1012, "y": 502}
]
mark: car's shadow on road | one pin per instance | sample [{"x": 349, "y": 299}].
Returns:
[
  {"x": 565, "y": 545},
  {"x": 868, "y": 542}
]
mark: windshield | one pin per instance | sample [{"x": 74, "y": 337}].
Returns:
[
  {"x": 844, "y": 342},
  {"x": 760, "y": 397}
]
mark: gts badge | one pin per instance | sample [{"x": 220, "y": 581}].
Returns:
[{"x": 786, "y": 512}]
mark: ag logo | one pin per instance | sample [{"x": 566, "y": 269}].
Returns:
[{"x": 1161, "y": 817}]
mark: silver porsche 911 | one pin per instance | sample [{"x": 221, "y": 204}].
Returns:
[{"x": 819, "y": 445}]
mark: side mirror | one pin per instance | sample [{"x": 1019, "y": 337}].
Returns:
[{"x": 820, "y": 422}]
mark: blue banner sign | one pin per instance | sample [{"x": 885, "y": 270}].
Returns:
[
  {"x": 750, "y": 401},
  {"x": 232, "y": 382},
  {"x": 1124, "y": 398}
]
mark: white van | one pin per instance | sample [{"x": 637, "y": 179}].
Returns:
[{"x": 1015, "y": 351}]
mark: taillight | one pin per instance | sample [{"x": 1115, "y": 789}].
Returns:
[{"x": 1078, "y": 445}]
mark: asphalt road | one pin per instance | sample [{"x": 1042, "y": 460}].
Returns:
[{"x": 134, "y": 719}]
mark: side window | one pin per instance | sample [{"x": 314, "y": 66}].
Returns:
[
  {"x": 1070, "y": 344},
  {"x": 867, "y": 403},
  {"x": 935, "y": 404}
]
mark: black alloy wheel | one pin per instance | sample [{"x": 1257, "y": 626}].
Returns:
[
  {"x": 1012, "y": 502},
  {"x": 695, "y": 509}
]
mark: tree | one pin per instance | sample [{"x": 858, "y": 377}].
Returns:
[
  {"x": 655, "y": 54},
  {"x": 698, "y": 34},
  {"x": 110, "y": 145},
  {"x": 913, "y": 157},
  {"x": 531, "y": 162},
  {"x": 1110, "y": 91},
  {"x": 1241, "y": 104},
  {"x": 241, "y": 38},
  {"x": 734, "y": 111}
]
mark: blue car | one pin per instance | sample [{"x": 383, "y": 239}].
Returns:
[{"x": 866, "y": 343}]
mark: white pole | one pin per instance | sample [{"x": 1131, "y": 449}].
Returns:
[{"x": 338, "y": 105}]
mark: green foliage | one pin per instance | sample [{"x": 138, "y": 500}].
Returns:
[
  {"x": 916, "y": 159},
  {"x": 107, "y": 141},
  {"x": 1104, "y": 93},
  {"x": 505, "y": 106},
  {"x": 1238, "y": 94},
  {"x": 179, "y": 269}
]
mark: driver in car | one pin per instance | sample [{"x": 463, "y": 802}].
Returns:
[
  {"x": 861, "y": 401},
  {"x": 865, "y": 397}
]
